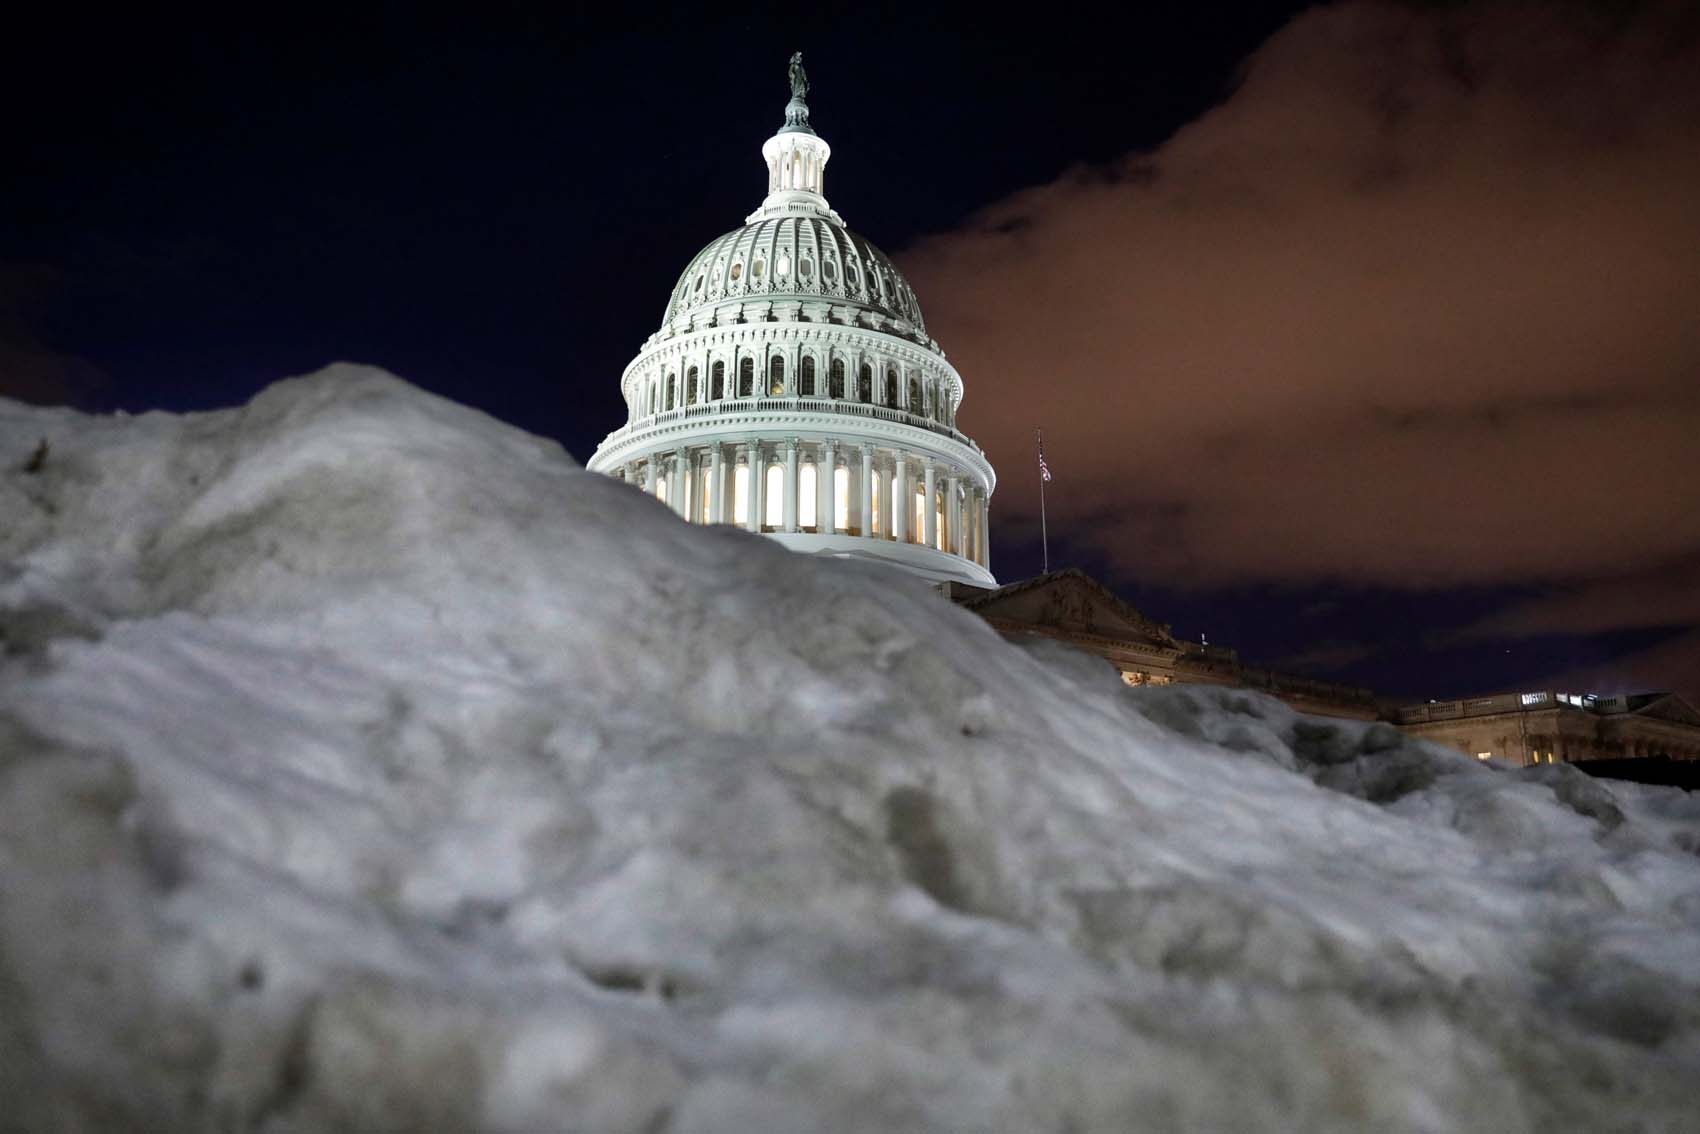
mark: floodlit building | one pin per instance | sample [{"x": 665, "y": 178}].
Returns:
[
  {"x": 792, "y": 389},
  {"x": 1548, "y": 727}
]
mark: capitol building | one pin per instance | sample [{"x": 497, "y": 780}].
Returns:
[{"x": 792, "y": 389}]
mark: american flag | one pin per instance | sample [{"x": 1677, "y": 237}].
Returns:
[{"x": 1044, "y": 469}]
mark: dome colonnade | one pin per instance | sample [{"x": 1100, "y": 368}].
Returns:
[{"x": 792, "y": 389}]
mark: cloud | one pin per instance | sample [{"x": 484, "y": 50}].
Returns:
[{"x": 1414, "y": 306}]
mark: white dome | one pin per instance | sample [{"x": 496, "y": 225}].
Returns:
[
  {"x": 792, "y": 389},
  {"x": 803, "y": 258}
]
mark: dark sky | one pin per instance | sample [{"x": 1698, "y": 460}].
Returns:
[{"x": 1364, "y": 336}]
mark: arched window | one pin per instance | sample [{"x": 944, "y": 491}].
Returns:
[
  {"x": 840, "y": 517},
  {"x": 775, "y": 376},
  {"x": 915, "y": 405},
  {"x": 746, "y": 377},
  {"x": 672, "y": 390},
  {"x": 835, "y": 388},
  {"x": 890, "y": 388},
  {"x": 741, "y": 495},
  {"x": 717, "y": 377},
  {"x": 806, "y": 496},
  {"x": 865, "y": 384},
  {"x": 691, "y": 386},
  {"x": 806, "y": 377},
  {"x": 773, "y": 497}
]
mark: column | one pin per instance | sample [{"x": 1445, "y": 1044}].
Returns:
[
  {"x": 866, "y": 503},
  {"x": 952, "y": 539},
  {"x": 930, "y": 512},
  {"x": 790, "y": 513},
  {"x": 679, "y": 497},
  {"x": 882, "y": 494},
  {"x": 902, "y": 504},
  {"x": 716, "y": 485},
  {"x": 826, "y": 489},
  {"x": 757, "y": 483},
  {"x": 983, "y": 508}
]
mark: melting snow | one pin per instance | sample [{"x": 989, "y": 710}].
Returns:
[{"x": 365, "y": 764}]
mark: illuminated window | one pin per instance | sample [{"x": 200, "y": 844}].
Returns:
[
  {"x": 806, "y": 496},
  {"x": 737, "y": 269},
  {"x": 758, "y": 268},
  {"x": 919, "y": 509},
  {"x": 661, "y": 487},
  {"x": 1484, "y": 755},
  {"x": 773, "y": 505},
  {"x": 782, "y": 266},
  {"x": 841, "y": 498},
  {"x": 741, "y": 495},
  {"x": 775, "y": 376}
]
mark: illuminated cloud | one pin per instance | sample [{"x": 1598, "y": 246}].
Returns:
[{"x": 1415, "y": 306}]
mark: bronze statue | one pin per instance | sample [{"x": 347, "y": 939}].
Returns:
[{"x": 799, "y": 80}]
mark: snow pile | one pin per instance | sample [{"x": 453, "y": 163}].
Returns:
[{"x": 365, "y": 764}]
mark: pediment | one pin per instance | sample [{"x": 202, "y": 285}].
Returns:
[
  {"x": 1673, "y": 708},
  {"x": 1072, "y": 602}
]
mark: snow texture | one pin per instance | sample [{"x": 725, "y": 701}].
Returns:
[{"x": 367, "y": 765}]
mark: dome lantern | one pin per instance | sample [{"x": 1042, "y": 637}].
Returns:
[{"x": 796, "y": 160}]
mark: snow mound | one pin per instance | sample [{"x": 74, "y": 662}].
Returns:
[{"x": 366, "y": 764}]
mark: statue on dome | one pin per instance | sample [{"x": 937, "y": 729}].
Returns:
[{"x": 799, "y": 79}]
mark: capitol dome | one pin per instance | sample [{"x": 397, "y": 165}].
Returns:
[
  {"x": 798, "y": 256},
  {"x": 792, "y": 389}
]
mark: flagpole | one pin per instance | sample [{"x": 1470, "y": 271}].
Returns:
[{"x": 1044, "y": 530}]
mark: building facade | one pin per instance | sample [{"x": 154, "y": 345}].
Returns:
[
  {"x": 1071, "y": 607},
  {"x": 792, "y": 389},
  {"x": 1548, "y": 727}
]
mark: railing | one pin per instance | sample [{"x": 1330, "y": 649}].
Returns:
[{"x": 793, "y": 405}]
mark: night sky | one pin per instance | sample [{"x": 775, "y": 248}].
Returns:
[{"x": 1365, "y": 338}]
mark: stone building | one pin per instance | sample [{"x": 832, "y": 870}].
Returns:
[
  {"x": 1070, "y": 606},
  {"x": 1548, "y": 727},
  {"x": 792, "y": 389}
]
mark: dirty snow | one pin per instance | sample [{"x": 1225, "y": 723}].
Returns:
[{"x": 365, "y": 764}]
